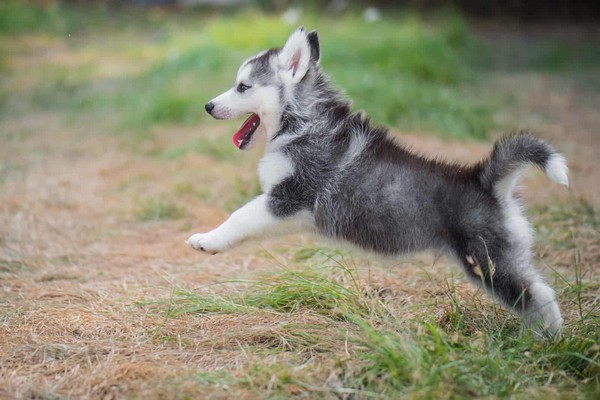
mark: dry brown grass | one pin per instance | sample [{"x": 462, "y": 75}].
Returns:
[{"x": 75, "y": 261}]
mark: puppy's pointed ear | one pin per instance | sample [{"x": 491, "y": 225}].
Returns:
[
  {"x": 295, "y": 56},
  {"x": 315, "y": 48}
]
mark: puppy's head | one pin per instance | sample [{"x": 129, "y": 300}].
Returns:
[{"x": 264, "y": 85}]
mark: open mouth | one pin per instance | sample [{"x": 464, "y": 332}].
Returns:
[{"x": 243, "y": 137}]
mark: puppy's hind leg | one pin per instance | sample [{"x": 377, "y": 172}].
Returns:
[
  {"x": 543, "y": 313},
  {"x": 519, "y": 287}
]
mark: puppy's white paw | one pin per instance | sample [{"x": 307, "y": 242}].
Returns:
[{"x": 207, "y": 242}]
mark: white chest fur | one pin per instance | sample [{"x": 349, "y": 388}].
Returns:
[{"x": 273, "y": 168}]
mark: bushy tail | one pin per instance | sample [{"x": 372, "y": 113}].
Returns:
[{"x": 512, "y": 154}]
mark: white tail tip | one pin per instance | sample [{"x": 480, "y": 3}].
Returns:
[{"x": 557, "y": 170}]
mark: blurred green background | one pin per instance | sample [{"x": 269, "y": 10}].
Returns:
[{"x": 132, "y": 67}]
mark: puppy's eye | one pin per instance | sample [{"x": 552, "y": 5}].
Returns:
[{"x": 242, "y": 87}]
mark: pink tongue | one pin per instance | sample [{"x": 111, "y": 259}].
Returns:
[{"x": 247, "y": 128}]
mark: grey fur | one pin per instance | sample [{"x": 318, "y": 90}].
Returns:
[
  {"x": 511, "y": 153},
  {"x": 363, "y": 187}
]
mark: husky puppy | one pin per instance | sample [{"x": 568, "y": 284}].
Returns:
[{"x": 329, "y": 170}]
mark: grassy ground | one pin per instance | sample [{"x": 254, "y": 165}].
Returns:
[{"x": 107, "y": 164}]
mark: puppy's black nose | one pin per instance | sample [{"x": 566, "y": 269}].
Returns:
[{"x": 209, "y": 107}]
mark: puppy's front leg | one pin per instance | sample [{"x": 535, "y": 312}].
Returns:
[{"x": 253, "y": 219}]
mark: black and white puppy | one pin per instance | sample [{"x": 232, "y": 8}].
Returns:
[{"x": 328, "y": 170}]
